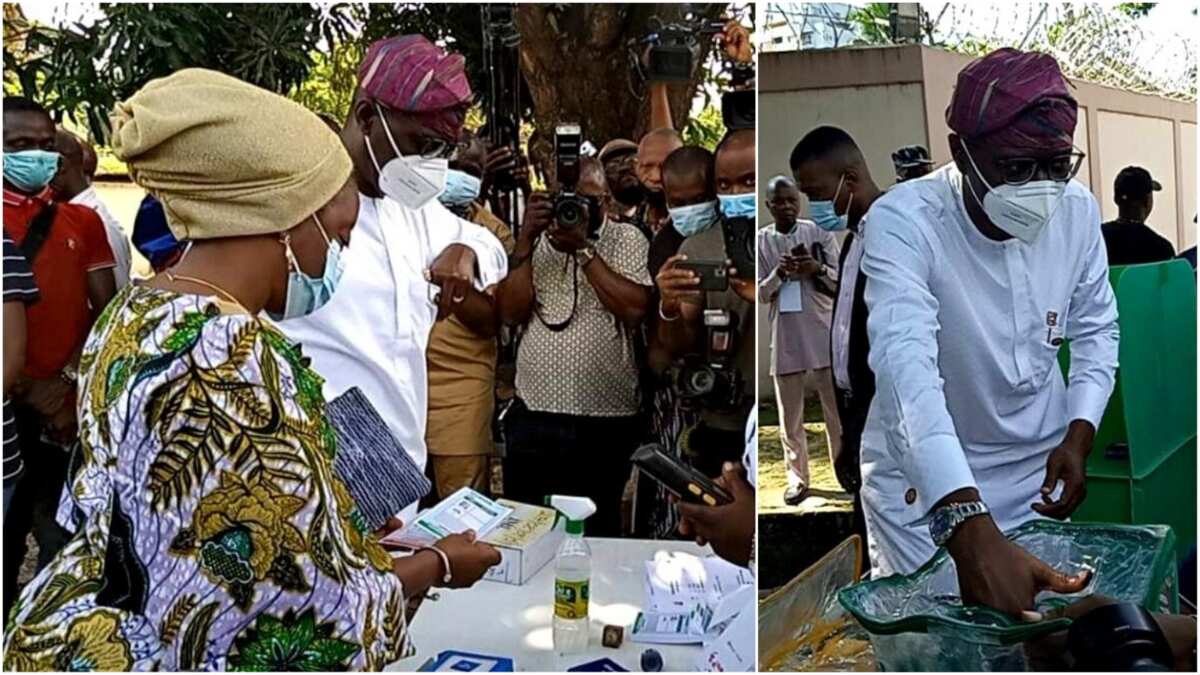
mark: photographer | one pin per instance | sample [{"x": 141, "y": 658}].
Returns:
[
  {"x": 687, "y": 314},
  {"x": 581, "y": 298}
]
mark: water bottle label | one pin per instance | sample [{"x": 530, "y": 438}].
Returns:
[{"x": 570, "y": 599}]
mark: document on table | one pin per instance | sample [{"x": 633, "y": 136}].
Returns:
[
  {"x": 791, "y": 297},
  {"x": 674, "y": 628},
  {"x": 733, "y": 650},
  {"x": 677, "y": 581},
  {"x": 464, "y": 510}
]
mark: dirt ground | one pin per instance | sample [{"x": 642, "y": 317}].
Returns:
[{"x": 825, "y": 494}]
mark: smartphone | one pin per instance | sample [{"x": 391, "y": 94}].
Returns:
[
  {"x": 678, "y": 478},
  {"x": 799, "y": 250},
  {"x": 714, "y": 276}
]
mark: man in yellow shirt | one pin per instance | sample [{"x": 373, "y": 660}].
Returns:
[{"x": 462, "y": 352}]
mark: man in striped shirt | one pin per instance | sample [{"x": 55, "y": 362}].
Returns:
[{"x": 19, "y": 291}]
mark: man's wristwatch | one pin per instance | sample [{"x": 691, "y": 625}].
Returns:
[
  {"x": 945, "y": 520},
  {"x": 69, "y": 375},
  {"x": 585, "y": 255}
]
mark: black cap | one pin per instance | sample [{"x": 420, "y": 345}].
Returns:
[
  {"x": 911, "y": 156},
  {"x": 1134, "y": 181}
]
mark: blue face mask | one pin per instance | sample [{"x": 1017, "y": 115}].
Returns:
[
  {"x": 739, "y": 206},
  {"x": 694, "y": 218},
  {"x": 30, "y": 170},
  {"x": 305, "y": 294},
  {"x": 461, "y": 188},
  {"x": 824, "y": 214}
]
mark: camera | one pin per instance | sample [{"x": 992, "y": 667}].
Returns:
[
  {"x": 712, "y": 382},
  {"x": 739, "y": 244},
  {"x": 571, "y": 209},
  {"x": 674, "y": 47}
]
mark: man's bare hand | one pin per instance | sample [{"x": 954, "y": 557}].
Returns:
[
  {"x": 729, "y": 527},
  {"x": 453, "y": 271},
  {"x": 995, "y": 572},
  {"x": 1067, "y": 463},
  {"x": 676, "y": 284}
]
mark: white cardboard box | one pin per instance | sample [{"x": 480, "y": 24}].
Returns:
[{"x": 527, "y": 539}]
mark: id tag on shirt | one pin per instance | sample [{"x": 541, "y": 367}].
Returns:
[{"x": 791, "y": 297}]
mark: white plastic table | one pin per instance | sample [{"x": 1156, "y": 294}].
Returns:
[{"x": 515, "y": 621}]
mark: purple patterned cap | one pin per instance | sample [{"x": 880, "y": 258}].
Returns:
[
  {"x": 1015, "y": 98},
  {"x": 411, "y": 74}
]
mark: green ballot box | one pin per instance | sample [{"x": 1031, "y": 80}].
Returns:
[{"x": 1142, "y": 469}]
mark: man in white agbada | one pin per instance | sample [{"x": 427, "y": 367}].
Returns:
[
  {"x": 412, "y": 261},
  {"x": 976, "y": 275}
]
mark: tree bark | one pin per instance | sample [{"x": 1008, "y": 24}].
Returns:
[{"x": 575, "y": 64}]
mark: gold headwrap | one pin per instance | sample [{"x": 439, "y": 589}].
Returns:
[{"x": 227, "y": 158}]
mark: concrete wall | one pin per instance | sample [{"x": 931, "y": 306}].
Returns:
[{"x": 886, "y": 97}]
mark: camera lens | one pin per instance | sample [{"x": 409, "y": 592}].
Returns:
[{"x": 701, "y": 381}]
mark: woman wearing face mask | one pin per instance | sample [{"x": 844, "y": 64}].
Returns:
[{"x": 210, "y": 529}]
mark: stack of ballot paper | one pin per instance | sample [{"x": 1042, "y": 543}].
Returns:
[{"x": 689, "y": 599}]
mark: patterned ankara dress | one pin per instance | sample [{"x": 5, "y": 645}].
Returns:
[{"x": 210, "y": 530}]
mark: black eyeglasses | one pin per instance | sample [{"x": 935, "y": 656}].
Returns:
[
  {"x": 1021, "y": 170},
  {"x": 433, "y": 147}
]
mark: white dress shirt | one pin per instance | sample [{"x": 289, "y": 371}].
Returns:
[
  {"x": 372, "y": 334},
  {"x": 844, "y": 310},
  {"x": 964, "y": 335},
  {"x": 117, "y": 241}
]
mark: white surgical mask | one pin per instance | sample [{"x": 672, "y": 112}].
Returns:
[
  {"x": 1019, "y": 210},
  {"x": 412, "y": 181}
]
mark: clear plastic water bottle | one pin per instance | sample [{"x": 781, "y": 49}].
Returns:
[{"x": 572, "y": 577}]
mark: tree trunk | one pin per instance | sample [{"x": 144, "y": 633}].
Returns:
[{"x": 575, "y": 65}]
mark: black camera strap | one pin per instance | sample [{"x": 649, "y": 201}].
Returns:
[
  {"x": 38, "y": 232},
  {"x": 561, "y": 326}
]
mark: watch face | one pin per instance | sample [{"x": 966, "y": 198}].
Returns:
[{"x": 939, "y": 524}]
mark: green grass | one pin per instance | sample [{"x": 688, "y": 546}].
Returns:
[{"x": 772, "y": 471}]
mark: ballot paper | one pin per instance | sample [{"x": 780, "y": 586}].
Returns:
[
  {"x": 790, "y": 297},
  {"x": 677, "y": 581},
  {"x": 675, "y": 628},
  {"x": 464, "y": 510}
]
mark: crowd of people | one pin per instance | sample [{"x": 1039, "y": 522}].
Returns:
[
  {"x": 930, "y": 326},
  {"x": 166, "y": 439}
]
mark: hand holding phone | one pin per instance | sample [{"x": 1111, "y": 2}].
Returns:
[
  {"x": 713, "y": 274},
  {"x": 678, "y": 478}
]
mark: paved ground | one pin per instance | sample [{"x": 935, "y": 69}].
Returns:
[{"x": 826, "y": 494}]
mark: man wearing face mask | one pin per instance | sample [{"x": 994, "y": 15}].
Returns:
[
  {"x": 575, "y": 422},
  {"x": 681, "y": 330},
  {"x": 653, "y": 150},
  {"x": 977, "y": 275},
  {"x": 462, "y": 350},
  {"x": 691, "y": 193},
  {"x": 796, "y": 278},
  {"x": 72, "y": 265},
  {"x": 831, "y": 171},
  {"x": 413, "y": 261}
]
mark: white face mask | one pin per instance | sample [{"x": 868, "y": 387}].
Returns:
[
  {"x": 1019, "y": 210},
  {"x": 412, "y": 181}
]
